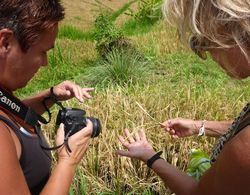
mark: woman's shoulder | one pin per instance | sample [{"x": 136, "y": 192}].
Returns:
[
  {"x": 8, "y": 138},
  {"x": 238, "y": 148},
  {"x": 230, "y": 174},
  {"x": 3, "y": 118}
]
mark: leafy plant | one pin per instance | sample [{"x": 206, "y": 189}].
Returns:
[
  {"x": 106, "y": 33},
  {"x": 144, "y": 18},
  {"x": 149, "y": 10}
]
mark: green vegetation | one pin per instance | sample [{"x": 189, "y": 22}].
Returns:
[
  {"x": 70, "y": 32},
  {"x": 106, "y": 34},
  {"x": 164, "y": 78},
  {"x": 120, "y": 67}
]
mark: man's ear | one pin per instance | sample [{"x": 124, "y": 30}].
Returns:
[{"x": 6, "y": 40}]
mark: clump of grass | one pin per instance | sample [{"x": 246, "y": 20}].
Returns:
[{"x": 120, "y": 67}]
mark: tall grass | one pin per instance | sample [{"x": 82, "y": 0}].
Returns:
[{"x": 103, "y": 171}]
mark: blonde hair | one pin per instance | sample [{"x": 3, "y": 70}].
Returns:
[{"x": 224, "y": 23}]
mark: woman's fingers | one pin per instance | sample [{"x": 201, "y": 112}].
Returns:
[
  {"x": 172, "y": 131},
  {"x": 137, "y": 137},
  {"x": 85, "y": 92},
  {"x": 129, "y": 136},
  {"x": 175, "y": 136},
  {"x": 142, "y": 135},
  {"x": 123, "y": 141},
  {"x": 123, "y": 153},
  {"x": 60, "y": 134},
  {"x": 77, "y": 92},
  {"x": 86, "y": 131},
  {"x": 69, "y": 89}
]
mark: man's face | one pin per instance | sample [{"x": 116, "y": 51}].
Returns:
[{"x": 21, "y": 67}]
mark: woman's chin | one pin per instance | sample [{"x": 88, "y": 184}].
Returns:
[{"x": 238, "y": 76}]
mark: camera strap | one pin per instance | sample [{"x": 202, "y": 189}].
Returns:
[
  {"x": 9, "y": 102},
  {"x": 12, "y": 104},
  {"x": 53, "y": 98},
  {"x": 64, "y": 144}
]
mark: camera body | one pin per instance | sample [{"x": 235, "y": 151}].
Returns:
[{"x": 74, "y": 120}]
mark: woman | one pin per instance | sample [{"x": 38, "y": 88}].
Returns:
[
  {"x": 28, "y": 30},
  {"x": 221, "y": 28}
]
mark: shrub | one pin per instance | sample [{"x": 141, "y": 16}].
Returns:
[
  {"x": 106, "y": 34},
  {"x": 149, "y": 10}
]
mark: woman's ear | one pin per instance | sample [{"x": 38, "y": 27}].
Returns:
[{"x": 6, "y": 39}]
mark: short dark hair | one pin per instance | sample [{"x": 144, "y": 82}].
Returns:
[{"x": 29, "y": 18}]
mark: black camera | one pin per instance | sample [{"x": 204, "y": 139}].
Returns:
[{"x": 74, "y": 120}]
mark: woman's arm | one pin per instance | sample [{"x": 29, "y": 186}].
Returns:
[
  {"x": 172, "y": 178},
  {"x": 63, "y": 173},
  {"x": 138, "y": 147},
  {"x": 11, "y": 177},
  {"x": 180, "y": 127},
  {"x": 229, "y": 175},
  {"x": 63, "y": 91}
]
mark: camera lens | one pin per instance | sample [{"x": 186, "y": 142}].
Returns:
[{"x": 97, "y": 128}]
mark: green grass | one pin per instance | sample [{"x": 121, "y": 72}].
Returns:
[
  {"x": 135, "y": 27},
  {"x": 120, "y": 67},
  {"x": 71, "y": 32},
  {"x": 121, "y": 10}
]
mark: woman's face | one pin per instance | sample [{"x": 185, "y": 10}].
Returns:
[
  {"x": 21, "y": 67},
  {"x": 233, "y": 61}
]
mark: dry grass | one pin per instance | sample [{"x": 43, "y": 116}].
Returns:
[{"x": 103, "y": 171}]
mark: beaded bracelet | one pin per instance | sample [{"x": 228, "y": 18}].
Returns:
[{"x": 202, "y": 129}]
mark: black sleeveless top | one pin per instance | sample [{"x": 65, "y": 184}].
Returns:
[{"x": 35, "y": 162}]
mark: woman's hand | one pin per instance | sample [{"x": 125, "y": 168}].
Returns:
[
  {"x": 180, "y": 127},
  {"x": 78, "y": 144},
  {"x": 67, "y": 90},
  {"x": 137, "y": 146}
]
